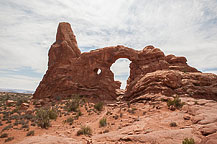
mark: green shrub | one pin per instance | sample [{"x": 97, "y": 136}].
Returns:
[
  {"x": 72, "y": 105},
  {"x": 176, "y": 102},
  {"x": 4, "y": 135},
  {"x": 98, "y": 106},
  {"x": 33, "y": 124},
  {"x": 21, "y": 100},
  {"x": 15, "y": 117},
  {"x": 69, "y": 120},
  {"x": 85, "y": 130},
  {"x": 22, "y": 122},
  {"x": 7, "y": 127},
  {"x": 30, "y": 133},
  {"x": 103, "y": 122},
  {"x": 132, "y": 110},
  {"x": 121, "y": 115},
  {"x": 188, "y": 141},
  {"x": 79, "y": 113},
  {"x": 53, "y": 113},
  {"x": 9, "y": 121},
  {"x": 58, "y": 98},
  {"x": 28, "y": 116},
  {"x": 128, "y": 104},
  {"x": 9, "y": 139},
  {"x": 173, "y": 124},
  {"x": 42, "y": 118},
  {"x": 25, "y": 126},
  {"x": 16, "y": 123}
]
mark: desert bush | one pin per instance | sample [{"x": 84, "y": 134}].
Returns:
[
  {"x": 30, "y": 133},
  {"x": 98, "y": 106},
  {"x": 132, "y": 110},
  {"x": 25, "y": 126},
  {"x": 128, "y": 104},
  {"x": 16, "y": 109},
  {"x": 33, "y": 124},
  {"x": 4, "y": 135},
  {"x": 103, "y": 122},
  {"x": 196, "y": 103},
  {"x": 21, "y": 100},
  {"x": 16, "y": 123},
  {"x": 42, "y": 118},
  {"x": 121, "y": 115},
  {"x": 53, "y": 113},
  {"x": 28, "y": 116},
  {"x": 72, "y": 105},
  {"x": 79, "y": 113},
  {"x": 22, "y": 122},
  {"x": 85, "y": 130},
  {"x": 69, "y": 120},
  {"x": 188, "y": 141},
  {"x": 173, "y": 124},
  {"x": 58, "y": 98},
  {"x": 176, "y": 102},
  {"x": 15, "y": 117},
  {"x": 9, "y": 121},
  {"x": 106, "y": 131},
  {"x": 9, "y": 139},
  {"x": 7, "y": 127}
]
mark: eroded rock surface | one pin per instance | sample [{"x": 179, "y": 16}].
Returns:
[
  {"x": 149, "y": 123},
  {"x": 72, "y": 72}
]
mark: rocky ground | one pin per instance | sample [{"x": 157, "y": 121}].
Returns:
[{"x": 154, "y": 120}]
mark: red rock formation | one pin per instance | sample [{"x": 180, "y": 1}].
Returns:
[{"x": 72, "y": 72}]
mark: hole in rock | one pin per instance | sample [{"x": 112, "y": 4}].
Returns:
[
  {"x": 97, "y": 71},
  {"x": 121, "y": 71}
]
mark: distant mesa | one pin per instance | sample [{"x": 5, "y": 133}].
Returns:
[
  {"x": 16, "y": 91},
  {"x": 151, "y": 72}
]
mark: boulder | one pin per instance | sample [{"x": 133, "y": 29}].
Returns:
[
  {"x": 24, "y": 106},
  {"x": 10, "y": 102}
]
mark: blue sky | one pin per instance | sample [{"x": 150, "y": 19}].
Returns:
[{"x": 28, "y": 28}]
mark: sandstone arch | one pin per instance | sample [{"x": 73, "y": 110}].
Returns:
[{"x": 72, "y": 72}]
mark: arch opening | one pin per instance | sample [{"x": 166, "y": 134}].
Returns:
[
  {"x": 121, "y": 71},
  {"x": 97, "y": 71}
]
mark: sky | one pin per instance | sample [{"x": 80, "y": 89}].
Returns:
[{"x": 28, "y": 28}]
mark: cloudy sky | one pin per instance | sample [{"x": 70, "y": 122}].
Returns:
[{"x": 182, "y": 27}]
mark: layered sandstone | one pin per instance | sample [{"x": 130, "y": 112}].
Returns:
[{"x": 151, "y": 72}]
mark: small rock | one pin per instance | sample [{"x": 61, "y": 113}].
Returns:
[
  {"x": 112, "y": 105},
  {"x": 130, "y": 133},
  {"x": 29, "y": 111},
  {"x": 24, "y": 105},
  {"x": 42, "y": 102},
  {"x": 68, "y": 132},
  {"x": 10, "y": 102},
  {"x": 47, "y": 100},
  {"x": 38, "y": 105},
  {"x": 186, "y": 117},
  {"x": 208, "y": 129},
  {"x": 172, "y": 108}
]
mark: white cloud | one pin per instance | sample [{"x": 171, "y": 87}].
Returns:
[{"x": 182, "y": 27}]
